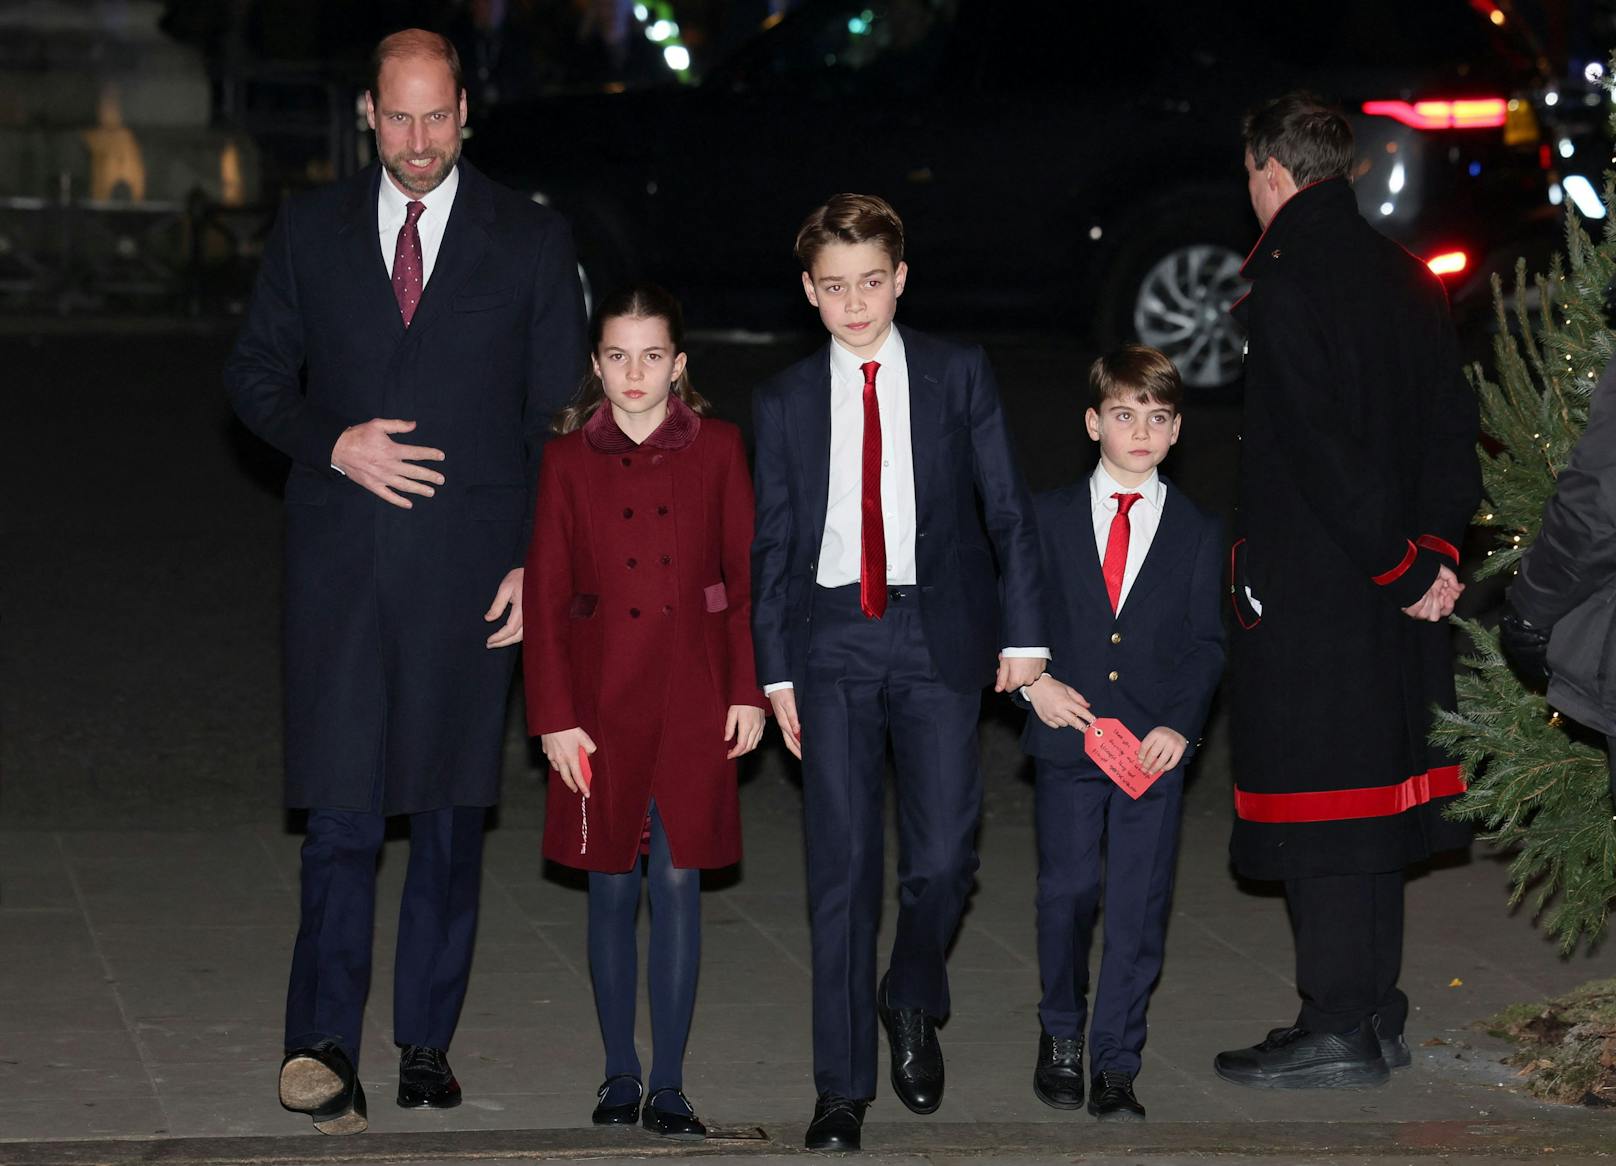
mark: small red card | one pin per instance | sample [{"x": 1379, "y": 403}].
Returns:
[
  {"x": 1114, "y": 749},
  {"x": 585, "y": 775}
]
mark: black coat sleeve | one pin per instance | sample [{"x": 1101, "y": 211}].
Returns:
[
  {"x": 771, "y": 540},
  {"x": 555, "y": 351}
]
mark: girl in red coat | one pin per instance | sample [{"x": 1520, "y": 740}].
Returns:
[{"x": 639, "y": 675}]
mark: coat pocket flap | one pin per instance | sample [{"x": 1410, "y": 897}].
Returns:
[
  {"x": 716, "y": 597},
  {"x": 583, "y": 606}
]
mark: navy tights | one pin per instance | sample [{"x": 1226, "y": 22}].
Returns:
[{"x": 675, "y": 895}]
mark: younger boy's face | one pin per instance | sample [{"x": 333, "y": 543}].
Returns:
[
  {"x": 1134, "y": 437},
  {"x": 856, "y": 290}
]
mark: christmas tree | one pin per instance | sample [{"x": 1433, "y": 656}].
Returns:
[{"x": 1538, "y": 787}]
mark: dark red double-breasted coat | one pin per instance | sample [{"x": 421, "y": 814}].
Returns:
[{"x": 637, "y": 608}]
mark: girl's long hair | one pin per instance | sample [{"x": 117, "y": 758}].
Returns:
[{"x": 638, "y": 301}]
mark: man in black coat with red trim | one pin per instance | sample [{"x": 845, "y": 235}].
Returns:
[{"x": 1358, "y": 478}]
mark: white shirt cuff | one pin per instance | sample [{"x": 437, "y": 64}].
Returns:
[
  {"x": 1022, "y": 654},
  {"x": 770, "y": 688}
]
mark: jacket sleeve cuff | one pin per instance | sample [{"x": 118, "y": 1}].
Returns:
[{"x": 1406, "y": 583}]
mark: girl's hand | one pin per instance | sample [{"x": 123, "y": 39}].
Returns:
[
  {"x": 744, "y": 726},
  {"x": 561, "y": 751}
]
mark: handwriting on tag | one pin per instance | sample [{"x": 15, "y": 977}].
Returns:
[{"x": 1115, "y": 750}]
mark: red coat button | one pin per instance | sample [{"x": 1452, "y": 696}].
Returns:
[
  {"x": 662, "y": 511},
  {"x": 633, "y": 563},
  {"x": 628, "y": 512},
  {"x": 634, "y": 613}
]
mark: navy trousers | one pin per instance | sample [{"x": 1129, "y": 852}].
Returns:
[
  {"x": 1077, "y": 808},
  {"x": 868, "y": 679},
  {"x": 437, "y": 924}
]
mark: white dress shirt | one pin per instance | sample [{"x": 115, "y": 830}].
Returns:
[
  {"x": 391, "y": 212},
  {"x": 841, "y": 550},
  {"x": 1143, "y": 519}
]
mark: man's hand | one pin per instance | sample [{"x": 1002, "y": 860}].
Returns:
[
  {"x": 561, "y": 751},
  {"x": 1016, "y": 671},
  {"x": 744, "y": 726},
  {"x": 1437, "y": 603},
  {"x": 1059, "y": 705},
  {"x": 1525, "y": 646},
  {"x": 509, "y": 595},
  {"x": 784, "y": 701},
  {"x": 1162, "y": 749},
  {"x": 368, "y": 454}
]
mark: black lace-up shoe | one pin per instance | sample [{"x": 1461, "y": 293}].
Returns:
[
  {"x": 625, "y": 1114},
  {"x": 1112, "y": 1099},
  {"x": 425, "y": 1080},
  {"x": 917, "y": 1057},
  {"x": 1058, "y": 1078},
  {"x": 838, "y": 1123},
  {"x": 1294, "y": 1058},
  {"x": 320, "y": 1081}
]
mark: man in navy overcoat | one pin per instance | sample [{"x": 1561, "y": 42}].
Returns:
[{"x": 412, "y": 331}]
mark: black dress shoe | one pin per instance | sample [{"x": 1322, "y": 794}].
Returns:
[
  {"x": 1394, "y": 1048},
  {"x": 1112, "y": 1097},
  {"x": 1294, "y": 1058},
  {"x": 425, "y": 1080},
  {"x": 320, "y": 1081},
  {"x": 668, "y": 1112},
  {"x": 1058, "y": 1078},
  {"x": 617, "y": 1115},
  {"x": 917, "y": 1057},
  {"x": 838, "y": 1123}
]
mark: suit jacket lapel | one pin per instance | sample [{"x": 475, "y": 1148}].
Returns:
[
  {"x": 1079, "y": 516},
  {"x": 465, "y": 238},
  {"x": 1166, "y": 549},
  {"x": 926, "y": 401},
  {"x": 810, "y": 415},
  {"x": 359, "y": 252}
]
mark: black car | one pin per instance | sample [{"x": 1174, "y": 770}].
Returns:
[{"x": 1058, "y": 165}]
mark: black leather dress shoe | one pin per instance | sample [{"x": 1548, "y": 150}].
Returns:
[
  {"x": 1294, "y": 1058},
  {"x": 1058, "y": 1078},
  {"x": 1393, "y": 1048},
  {"x": 1112, "y": 1097},
  {"x": 425, "y": 1080},
  {"x": 320, "y": 1081},
  {"x": 917, "y": 1057},
  {"x": 838, "y": 1123},
  {"x": 625, "y": 1114},
  {"x": 668, "y": 1112}
]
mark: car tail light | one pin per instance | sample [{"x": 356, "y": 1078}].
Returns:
[
  {"x": 1465, "y": 113},
  {"x": 1448, "y": 263}
]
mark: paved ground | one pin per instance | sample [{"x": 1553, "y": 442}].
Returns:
[{"x": 148, "y": 878}]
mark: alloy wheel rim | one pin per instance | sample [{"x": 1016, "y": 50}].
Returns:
[{"x": 1183, "y": 308}]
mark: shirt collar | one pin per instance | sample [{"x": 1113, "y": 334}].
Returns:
[
  {"x": 393, "y": 201},
  {"x": 1151, "y": 491},
  {"x": 848, "y": 365}
]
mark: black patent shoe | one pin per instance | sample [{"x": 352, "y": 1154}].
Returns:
[
  {"x": 1294, "y": 1058},
  {"x": 425, "y": 1080},
  {"x": 838, "y": 1124},
  {"x": 672, "y": 1121},
  {"x": 917, "y": 1056},
  {"x": 617, "y": 1115},
  {"x": 1393, "y": 1048},
  {"x": 320, "y": 1081},
  {"x": 1057, "y": 1080},
  {"x": 1112, "y": 1097}
]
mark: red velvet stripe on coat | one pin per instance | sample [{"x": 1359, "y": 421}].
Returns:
[
  {"x": 1396, "y": 573},
  {"x": 1339, "y": 804},
  {"x": 1441, "y": 546}
]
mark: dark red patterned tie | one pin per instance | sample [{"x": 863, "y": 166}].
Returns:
[
  {"x": 872, "y": 531},
  {"x": 408, "y": 271},
  {"x": 1116, "y": 548}
]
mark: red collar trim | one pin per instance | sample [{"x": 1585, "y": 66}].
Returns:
[{"x": 676, "y": 432}]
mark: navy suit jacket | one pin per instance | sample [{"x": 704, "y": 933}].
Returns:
[
  {"x": 962, "y": 453},
  {"x": 1164, "y": 649}
]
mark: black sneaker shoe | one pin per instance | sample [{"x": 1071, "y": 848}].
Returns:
[
  {"x": 1057, "y": 1080},
  {"x": 1393, "y": 1048},
  {"x": 1294, "y": 1058},
  {"x": 1112, "y": 1097},
  {"x": 425, "y": 1080}
]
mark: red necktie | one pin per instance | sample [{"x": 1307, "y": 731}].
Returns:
[
  {"x": 872, "y": 532},
  {"x": 408, "y": 272},
  {"x": 1116, "y": 549}
]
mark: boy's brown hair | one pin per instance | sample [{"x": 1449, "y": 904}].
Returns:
[
  {"x": 850, "y": 218},
  {"x": 1136, "y": 372}
]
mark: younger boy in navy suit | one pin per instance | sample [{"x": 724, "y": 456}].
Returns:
[{"x": 1131, "y": 568}]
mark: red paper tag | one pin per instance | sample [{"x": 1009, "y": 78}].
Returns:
[
  {"x": 585, "y": 774},
  {"x": 1114, "y": 749}
]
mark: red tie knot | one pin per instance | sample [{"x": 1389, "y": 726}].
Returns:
[
  {"x": 1125, "y": 502},
  {"x": 412, "y": 211},
  {"x": 869, "y": 367}
]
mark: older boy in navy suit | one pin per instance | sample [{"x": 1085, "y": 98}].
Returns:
[
  {"x": 875, "y": 612},
  {"x": 1132, "y": 568}
]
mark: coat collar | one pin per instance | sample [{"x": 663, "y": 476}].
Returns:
[
  {"x": 678, "y": 430},
  {"x": 1319, "y": 208}
]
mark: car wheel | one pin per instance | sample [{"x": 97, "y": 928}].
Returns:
[{"x": 1181, "y": 305}]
